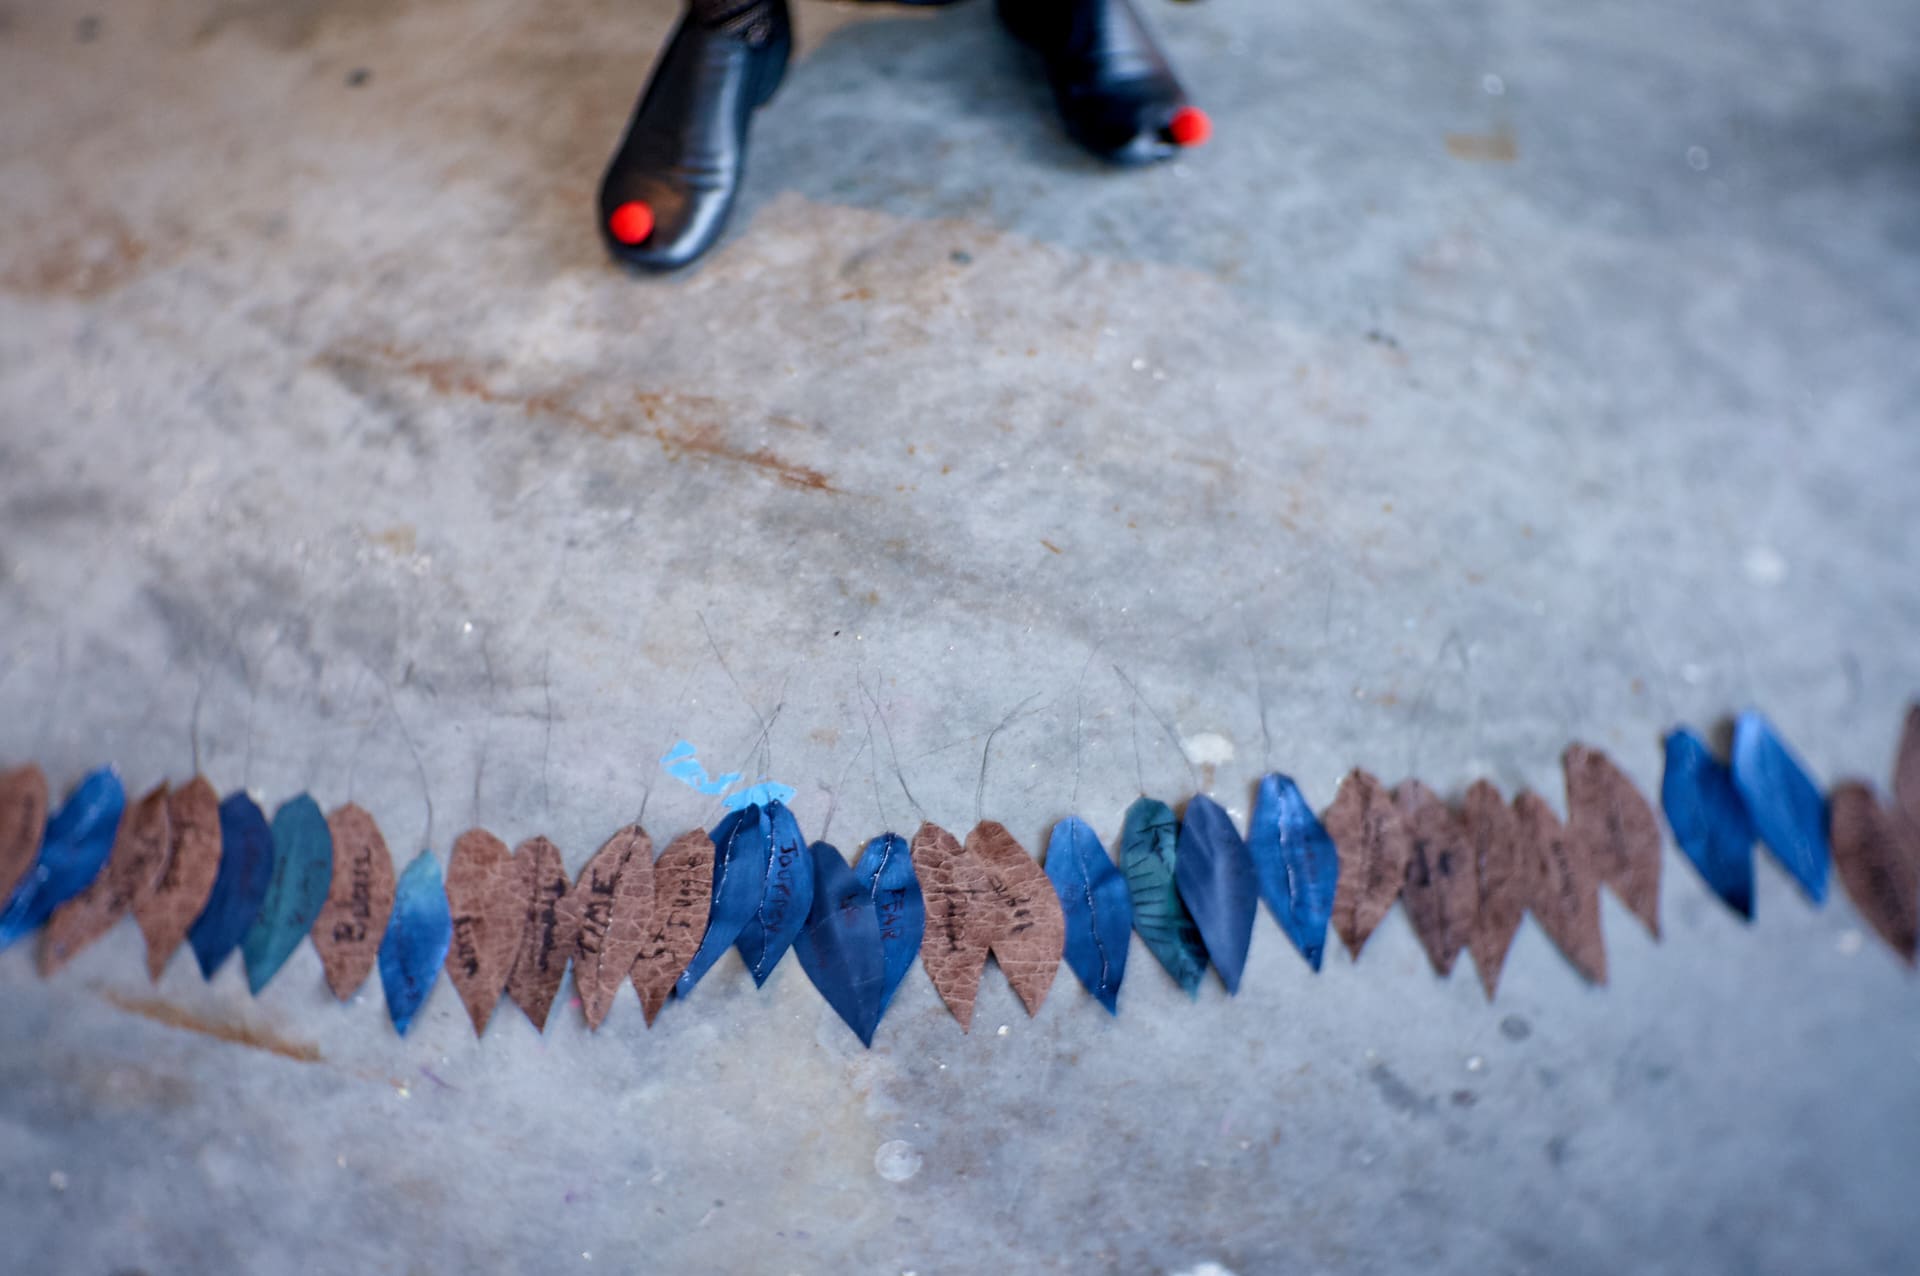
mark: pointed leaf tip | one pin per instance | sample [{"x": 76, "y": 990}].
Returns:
[
  {"x": 1149, "y": 841},
  {"x": 785, "y": 898},
  {"x": 296, "y": 892},
  {"x": 414, "y": 948},
  {"x": 1297, "y": 864},
  {"x": 240, "y": 886},
  {"x": 840, "y": 946},
  {"x": 353, "y": 922},
  {"x": 1374, "y": 845},
  {"x": 887, "y": 870},
  {"x": 1096, "y": 906},
  {"x": 1218, "y": 885},
  {"x": 1441, "y": 891},
  {"x": 71, "y": 852},
  {"x": 1708, "y": 819},
  {"x": 1787, "y": 808}
]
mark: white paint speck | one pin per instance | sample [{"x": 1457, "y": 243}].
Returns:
[
  {"x": 1765, "y": 567},
  {"x": 1849, "y": 943},
  {"x": 1208, "y": 748},
  {"x": 1203, "y": 1269},
  {"x": 467, "y": 628},
  {"x": 897, "y": 1160},
  {"x": 57, "y": 1180},
  {"x": 1476, "y": 1063},
  {"x": 1003, "y": 1031},
  {"x": 1492, "y": 85}
]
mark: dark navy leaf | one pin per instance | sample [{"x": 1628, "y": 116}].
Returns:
[
  {"x": 1149, "y": 842},
  {"x": 1708, "y": 819},
  {"x": 740, "y": 848},
  {"x": 1787, "y": 809},
  {"x": 1099, "y": 912},
  {"x": 419, "y": 932},
  {"x": 302, "y": 874},
  {"x": 1296, "y": 862},
  {"x": 239, "y": 888},
  {"x": 1218, "y": 886},
  {"x": 78, "y": 839},
  {"x": 840, "y": 946},
  {"x": 785, "y": 898},
  {"x": 886, "y": 870}
]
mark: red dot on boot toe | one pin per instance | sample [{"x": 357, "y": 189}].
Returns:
[
  {"x": 631, "y": 223},
  {"x": 1189, "y": 127}
]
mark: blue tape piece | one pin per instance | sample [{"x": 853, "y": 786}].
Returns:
[
  {"x": 302, "y": 872},
  {"x": 78, "y": 839},
  {"x": 419, "y": 932},
  {"x": 785, "y": 899},
  {"x": 840, "y": 946},
  {"x": 886, "y": 870},
  {"x": 1099, "y": 911},
  {"x": 1218, "y": 886},
  {"x": 680, "y": 763},
  {"x": 1297, "y": 864},
  {"x": 766, "y": 793},
  {"x": 1708, "y": 819},
  {"x": 240, "y": 886},
  {"x": 1788, "y": 810}
]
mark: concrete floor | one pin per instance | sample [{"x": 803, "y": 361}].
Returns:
[{"x": 1504, "y": 374}]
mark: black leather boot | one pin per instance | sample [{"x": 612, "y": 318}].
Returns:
[
  {"x": 1115, "y": 89},
  {"x": 667, "y": 193}
]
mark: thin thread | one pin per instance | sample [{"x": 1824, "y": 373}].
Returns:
[{"x": 1173, "y": 737}]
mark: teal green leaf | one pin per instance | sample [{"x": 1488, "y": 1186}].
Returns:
[
  {"x": 1149, "y": 842},
  {"x": 302, "y": 873}
]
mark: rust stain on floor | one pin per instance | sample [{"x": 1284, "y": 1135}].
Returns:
[
  {"x": 685, "y": 425},
  {"x": 165, "y": 1012},
  {"x": 1483, "y": 148},
  {"x": 90, "y": 260}
]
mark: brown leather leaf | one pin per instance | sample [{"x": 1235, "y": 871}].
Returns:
[
  {"x": 348, "y": 932},
  {"x": 1500, "y": 880},
  {"x": 139, "y": 856},
  {"x": 1441, "y": 892},
  {"x": 1877, "y": 854},
  {"x": 23, "y": 822},
  {"x": 1563, "y": 887},
  {"x": 954, "y": 947},
  {"x": 167, "y": 909},
  {"x": 682, "y": 896},
  {"x": 1614, "y": 828},
  {"x": 1030, "y": 931},
  {"x": 1906, "y": 768},
  {"x": 546, "y": 938},
  {"x": 1374, "y": 846},
  {"x": 611, "y": 904},
  {"x": 487, "y": 895}
]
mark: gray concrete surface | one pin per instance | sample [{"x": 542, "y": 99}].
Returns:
[{"x": 1504, "y": 374}]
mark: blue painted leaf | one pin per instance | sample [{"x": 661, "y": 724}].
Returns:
[
  {"x": 1297, "y": 864},
  {"x": 740, "y": 847},
  {"x": 886, "y": 870},
  {"x": 1099, "y": 912},
  {"x": 419, "y": 932},
  {"x": 1787, "y": 808},
  {"x": 1148, "y": 851},
  {"x": 840, "y": 946},
  {"x": 785, "y": 898},
  {"x": 302, "y": 874},
  {"x": 1708, "y": 819},
  {"x": 78, "y": 839},
  {"x": 1218, "y": 886},
  {"x": 239, "y": 888}
]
